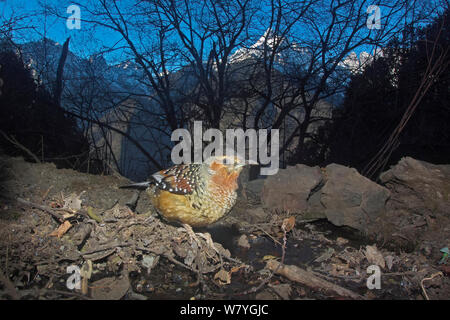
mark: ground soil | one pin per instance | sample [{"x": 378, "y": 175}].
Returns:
[{"x": 126, "y": 251}]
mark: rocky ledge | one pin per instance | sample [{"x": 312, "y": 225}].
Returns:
[{"x": 409, "y": 207}]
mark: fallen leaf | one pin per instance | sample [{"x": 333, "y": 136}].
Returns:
[
  {"x": 110, "y": 288},
  {"x": 73, "y": 202},
  {"x": 62, "y": 229},
  {"x": 389, "y": 261},
  {"x": 374, "y": 256},
  {"x": 288, "y": 224},
  {"x": 268, "y": 257},
  {"x": 341, "y": 241},
  {"x": 223, "y": 277},
  {"x": 237, "y": 268},
  {"x": 243, "y": 242},
  {"x": 90, "y": 212}
]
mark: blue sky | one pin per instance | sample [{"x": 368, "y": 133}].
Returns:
[
  {"x": 55, "y": 27},
  {"x": 84, "y": 42}
]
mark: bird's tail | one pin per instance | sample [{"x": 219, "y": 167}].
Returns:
[{"x": 139, "y": 185}]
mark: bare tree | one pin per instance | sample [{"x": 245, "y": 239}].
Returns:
[
  {"x": 202, "y": 59},
  {"x": 319, "y": 35}
]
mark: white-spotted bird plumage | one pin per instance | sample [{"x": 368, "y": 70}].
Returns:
[{"x": 196, "y": 194}]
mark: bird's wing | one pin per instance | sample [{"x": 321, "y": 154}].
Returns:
[{"x": 179, "y": 179}]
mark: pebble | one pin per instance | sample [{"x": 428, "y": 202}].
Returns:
[{"x": 243, "y": 242}]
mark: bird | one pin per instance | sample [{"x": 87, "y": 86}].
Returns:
[{"x": 196, "y": 194}]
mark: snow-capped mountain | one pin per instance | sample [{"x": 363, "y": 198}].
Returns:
[
  {"x": 126, "y": 77},
  {"x": 356, "y": 64},
  {"x": 285, "y": 50},
  {"x": 93, "y": 74},
  {"x": 93, "y": 84}
]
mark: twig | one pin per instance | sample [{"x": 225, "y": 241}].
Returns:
[
  {"x": 41, "y": 207},
  {"x": 426, "y": 279},
  {"x": 20, "y": 146},
  {"x": 7, "y": 254},
  {"x": 265, "y": 281},
  {"x": 46, "y": 193},
  {"x": 432, "y": 71},
  {"x": 67, "y": 293},
  {"x": 258, "y": 226},
  {"x": 169, "y": 257},
  {"x": 104, "y": 248},
  {"x": 273, "y": 239}
]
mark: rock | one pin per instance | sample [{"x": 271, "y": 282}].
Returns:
[
  {"x": 290, "y": 188},
  {"x": 243, "y": 242},
  {"x": 419, "y": 186},
  {"x": 257, "y": 215},
  {"x": 252, "y": 191},
  {"x": 412, "y": 200},
  {"x": 351, "y": 199},
  {"x": 419, "y": 206},
  {"x": 341, "y": 195}
]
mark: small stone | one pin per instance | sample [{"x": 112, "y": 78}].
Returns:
[{"x": 243, "y": 242}]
